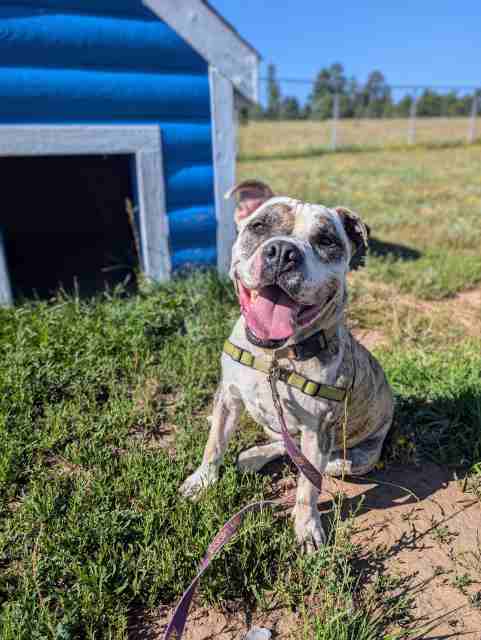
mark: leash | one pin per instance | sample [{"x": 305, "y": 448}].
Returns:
[
  {"x": 295, "y": 454},
  {"x": 179, "y": 617},
  {"x": 230, "y": 528}
]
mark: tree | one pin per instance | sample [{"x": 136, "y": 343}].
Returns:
[
  {"x": 290, "y": 108},
  {"x": 256, "y": 112},
  {"x": 329, "y": 82},
  {"x": 452, "y": 105},
  {"x": 321, "y": 106},
  {"x": 350, "y": 100},
  {"x": 306, "y": 111},
  {"x": 404, "y": 106},
  {"x": 250, "y": 112},
  {"x": 429, "y": 104},
  {"x": 273, "y": 93},
  {"x": 376, "y": 95}
]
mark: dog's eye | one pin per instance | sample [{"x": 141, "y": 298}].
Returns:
[{"x": 257, "y": 226}]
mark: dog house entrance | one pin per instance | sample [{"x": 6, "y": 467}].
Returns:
[{"x": 65, "y": 223}]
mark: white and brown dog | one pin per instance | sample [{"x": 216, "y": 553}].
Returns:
[{"x": 289, "y": 266}]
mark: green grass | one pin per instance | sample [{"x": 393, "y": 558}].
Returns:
[
  {"x": 91, "y": 523},
  {"x": 438, "y": 401},
  {"x": 321, "y": 150},
  {"x": 437, "y": 274},
  {"x": 104, "y": 406}
]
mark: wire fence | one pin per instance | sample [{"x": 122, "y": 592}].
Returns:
[{"x": 317, "y": 115}]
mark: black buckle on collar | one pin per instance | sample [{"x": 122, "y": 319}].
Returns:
[
  {"x": 311, "y": 346},
  {"x": 283, "y": 374}
]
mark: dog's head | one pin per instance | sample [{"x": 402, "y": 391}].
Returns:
[{"x": 289, "y": 263}]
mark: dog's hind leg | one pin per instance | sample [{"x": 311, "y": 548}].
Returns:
[
  {"x": 360, "y": 459},
  {"x": 253, "y": 459}
]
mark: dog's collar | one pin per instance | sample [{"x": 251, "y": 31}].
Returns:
[
  {"x": 304, "y": 350},
  {"x": 291, "y": 378}
]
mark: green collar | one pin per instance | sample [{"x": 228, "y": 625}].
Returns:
[{"x": 291, "y": 378}]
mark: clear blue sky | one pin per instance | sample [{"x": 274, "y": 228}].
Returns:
[{"x": 422, "y": 42}]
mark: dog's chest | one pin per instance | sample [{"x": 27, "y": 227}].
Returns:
[{"x": 300, "y": 411}]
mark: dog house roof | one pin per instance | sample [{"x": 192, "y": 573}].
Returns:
[{"x": 215, "y": 39}]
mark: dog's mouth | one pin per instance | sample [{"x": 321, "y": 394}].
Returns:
[{"x": 271, "y": 315}]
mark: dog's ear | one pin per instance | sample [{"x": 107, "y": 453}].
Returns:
[
  {"x": 357, "y": 231},
  {"x": 250, "y": 195}
]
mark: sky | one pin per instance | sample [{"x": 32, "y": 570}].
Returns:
[{"x": 423, "y": 42}]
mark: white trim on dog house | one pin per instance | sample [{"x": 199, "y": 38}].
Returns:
[
  {"x": 214, "y": 39},
  {"x": 143, "y": 142},
  {"x": 224, "y": 150},
  {"x": 5, "y": 288}
]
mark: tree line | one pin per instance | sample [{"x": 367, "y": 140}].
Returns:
[{"x": 373, "y": 99}]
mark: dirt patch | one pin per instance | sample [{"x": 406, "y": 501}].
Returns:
[
  {"x": 461, "y": 311},
  {"x": 464, "y": 308},
  {"x": 162, "y": 437},
  {"x": 209, "y": 624},
  {"x": 471, "y": 297},
  {"x": 60, "y": 466},
  {"x": 370, "y": 338},
  {"x": 150, "y": 402},
  {"x": 417, "y": 523}
]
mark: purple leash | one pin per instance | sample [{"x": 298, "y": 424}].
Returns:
[
  {"x": 231, "y": 527},
  {"x": 298, "y": 458}
]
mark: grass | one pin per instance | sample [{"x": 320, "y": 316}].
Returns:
[
  {"x": 425, "y": 242},
  {"x": 104, "y": 406},
  {"x": 266, "y": 140},
  {"x": 91, "y": 522},
  {"x": 313, "y": 151}
]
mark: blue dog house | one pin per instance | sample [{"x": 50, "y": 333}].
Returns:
[{"x": 154, "y": 81}]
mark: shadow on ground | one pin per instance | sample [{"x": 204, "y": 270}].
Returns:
[{"x": 381, "y": 249}]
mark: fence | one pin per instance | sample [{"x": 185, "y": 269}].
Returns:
[{"x": 383, "y": 115}]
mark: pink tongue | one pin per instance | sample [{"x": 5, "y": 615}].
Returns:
[{"x": 271, "y": 316}]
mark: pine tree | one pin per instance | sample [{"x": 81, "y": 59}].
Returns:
[{"x": 273, "y": 93}]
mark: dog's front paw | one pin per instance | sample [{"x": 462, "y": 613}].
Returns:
[
  {"x": 308, "y": 528},
  {"x": 204, "y": 477}
]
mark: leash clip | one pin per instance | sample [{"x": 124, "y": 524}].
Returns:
[
  {"x": 273, "y": 377},
  {"x": 274, "y": 372}
]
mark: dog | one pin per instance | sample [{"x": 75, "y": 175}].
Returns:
[{"x": 289, "y": 267}]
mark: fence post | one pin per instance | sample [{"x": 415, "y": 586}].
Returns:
[
  {"x": 472, "y": 120},
  {"x": 335, "y": 118},
  {"x": 412, "y": 118}
]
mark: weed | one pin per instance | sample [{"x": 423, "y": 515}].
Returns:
[
  {"x": 442, "y": 534},
  {"x": 462, "y": 581}
]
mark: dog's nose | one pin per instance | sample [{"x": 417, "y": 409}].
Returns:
[{"x": 282, "y": 255}]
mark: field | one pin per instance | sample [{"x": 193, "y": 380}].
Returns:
[
  {"x": 291, "y": 138},
  {"x": 103, "y": 414}
]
